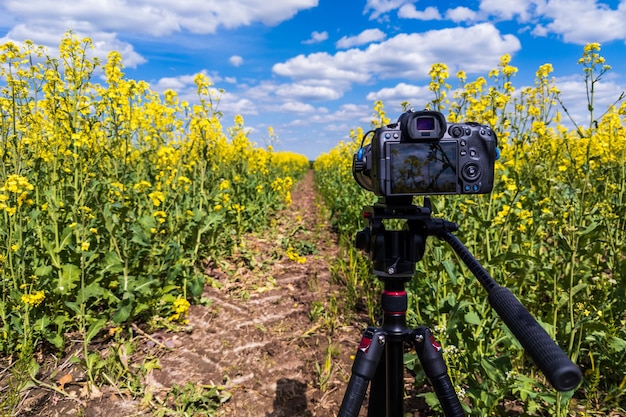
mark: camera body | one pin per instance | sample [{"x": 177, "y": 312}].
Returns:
[{"x": 422, "y": 155}]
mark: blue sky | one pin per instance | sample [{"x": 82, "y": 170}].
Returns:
[{"x": 312, "y": 69}]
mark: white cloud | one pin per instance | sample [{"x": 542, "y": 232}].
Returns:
[
  {"x": 333, "y": 119},
  {"x": 405, "y": 56},
  {"x": 44, "y": 22},
  {"x": 297, "y": 107},
  {"x": 307, "y": 92},
  {"x": 232, "y": 104},
  {"x": 316, "y": 37},
  {"x": 540, "y": 31},
  {"x": 235, "y": 60},
  {"x": 157, "y": 17},
  {"x": 408, "y": 11},
  {"x": 509, "y": 9},
  {"x": 416, "y": 95},
  {"x": 380, "y": 7},
  {"x": 322, "y": 65},
  {"x": 576, "y": 21},
  {"x": 365, "y": 37},
  {"x": 584, "y": 21},
  {"x": 461, "y": 14}
]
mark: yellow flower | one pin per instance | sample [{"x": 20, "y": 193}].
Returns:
[
  {"x": 184, "y": 181},
  {"x": 224, "y": 185},
  {"x": 160, "y": 215},
  {"x": 84, "y": 246},
  {"x": 118, "y": 185},
  {"x": 17, "y": 184},
  {"x": 34, "y": 299},
  {"x": 141, "y": 186},
  {"x": 180, "y": 308},
  {"x": 157, "y": 198},
  {"x": 238, "y": 208},
  {"x": 294, "y": 256}
]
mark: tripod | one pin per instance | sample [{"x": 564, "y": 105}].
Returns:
[{"x": 380, "y": 355}]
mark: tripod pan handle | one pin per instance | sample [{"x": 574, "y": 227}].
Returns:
[{"x": 562, "y": 373}]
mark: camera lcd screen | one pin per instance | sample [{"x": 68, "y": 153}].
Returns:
[{"x": 423, "y": 167}]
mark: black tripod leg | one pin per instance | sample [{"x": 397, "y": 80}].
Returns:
[
  {"x": 429, "y": 354},
  {"x": 363, "y": 370},
  {"x": 377, "y": 405}
]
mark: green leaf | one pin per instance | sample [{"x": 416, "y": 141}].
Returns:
[
  {"x": 450, "y": 269},
  {"x": 593, "y": 226},
  {"x": 472, "y": 318},
  {"x": 94, "y": 329},
  {"x": 617, "y": 344},
  {"x": 68, "y": 278},
  {"x": 55, "y": 339},
  {"x": 125, "y": 309},
  {"x": 492, "y": 370},
  {"x": 43, "y": 270},
  {"x": 75, "y": 307},
  {"x": 66, "y": 238},
  {"x": 92, "y": 290},
  {"x": 195, "y": 285},
  {"x": 431, "y": 399},
  {"x": 112, "y": 264}
]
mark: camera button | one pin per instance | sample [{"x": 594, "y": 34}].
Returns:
[
  {"x": 463, "y": 153},
  {"x": 473, "y": 153},
  {"x": 463, "y": 143}
]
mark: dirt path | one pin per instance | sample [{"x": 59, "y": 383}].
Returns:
[{"x": 257, "y": 336}]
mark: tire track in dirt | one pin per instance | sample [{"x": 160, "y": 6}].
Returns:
[{"x": 256, "y": 337}]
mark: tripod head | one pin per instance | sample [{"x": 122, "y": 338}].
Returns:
[{"x": 394, "y": 253}]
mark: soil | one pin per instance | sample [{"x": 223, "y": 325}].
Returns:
[{"x": 256, "y": 335}]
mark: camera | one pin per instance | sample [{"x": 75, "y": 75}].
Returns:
[{"x": 422, "y": 155}]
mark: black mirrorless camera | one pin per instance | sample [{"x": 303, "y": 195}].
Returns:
[{"x": 422, "y": 155}]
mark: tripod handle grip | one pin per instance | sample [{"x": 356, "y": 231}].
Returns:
[{"x": 562, "y": 373}]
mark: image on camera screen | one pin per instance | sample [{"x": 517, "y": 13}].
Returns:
[{"x": 423, "y": 167}]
